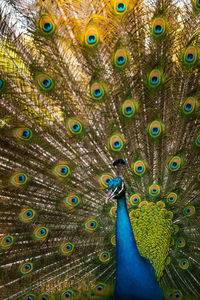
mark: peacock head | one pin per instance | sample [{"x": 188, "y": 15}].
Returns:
[{"x": 116, "y": 188}]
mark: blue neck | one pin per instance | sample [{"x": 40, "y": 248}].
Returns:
[{"x": 135, "y": 277}]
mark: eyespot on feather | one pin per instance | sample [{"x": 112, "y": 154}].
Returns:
[
  {"x": 97, "y": 91},
  {"x": 139, "y": 167},
  {"x": 26, "y": 268},
  {"x": 158, "y": 28},
  {"x": 196, "y": 5},
  {"x": 91, "y": 225},
  {"x": 61, "y": 170},
  {"x": 184, "y": 264},
  {"x": 66, "y": 249},
  {"x": 18, "y": 179},
  {"x": 104, "y": 256},
  {"x": 135, "y": 199},
  {"x": 155, "y": 78},
  {"x": 113, "y": 212},
  {"x": 120, "y": 58},
  {"x": 189, "y": 210},
  {"x": 2, "y": 85},
  {"x": 30, "y": 297},
  {"x": 190, "y": 56},
  {"x": 45, "y": 296},
  {"x": 40, "y": 233},
  {"x": 120, "y": 7},
  {"x": 68, "y": 294},
  {"x": 71, "y": 201},
  {"x": 44, "y": 82},
  {"x": 23, "y": 134},
  {"x": 74, "y": 126},
  {"x": 180, "y": 243},
  {"x": 189, "y": 106},
  {"x": 6, "y": 241},
  {"x": 154, "y": 190},
  {"x": 26, "y": 215},
  {"x": 113, "y": 240},
  {"x": 46, "y": 25},
  {"x": 129, "y": 108},
  {"x": 105, "y": 179},
  {"x": 197, "y": 141},
  {"x": 171, "y": 198},
  {"x": 116, "y": 142},
  {"x": 175, "y": 163},
  {"x": 92, "y": 37},
  {"x": 155, "y": 129}
]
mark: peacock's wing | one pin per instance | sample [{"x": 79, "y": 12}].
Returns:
[{"x": 82, "y": 84}]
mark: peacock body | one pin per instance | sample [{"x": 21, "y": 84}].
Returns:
[{"x": 84, "y": 84}]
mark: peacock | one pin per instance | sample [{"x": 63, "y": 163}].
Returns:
[{"x": 99, "y": 149}]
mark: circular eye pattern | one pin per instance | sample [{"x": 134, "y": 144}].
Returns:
[
  {"x": 30, "y": 297},
  {"x": 91, "y": 37},
  {"x": 154, "y": 78},
  {"x": 23, "y": 134},
  {"x": 101, "y": 289},
  {"x": 18, "y": 179},
  {"x": 155, "y": 129},
  {"x": 27, "y": 215},
  {"x": 71, "y": 201},
  {"x": 158, "y": 28},
  {"x": 139, "y": 167},
  {"x": 170, "y": 215},
  {"x": 175, "y": 163},
  {"x": 66, "y": 249},
  {"x": 91, "y": 225},
  {"x": 105, "y": 179},
  {"x": 189, "y": 106},
  {"x": 104, "y": 256},
  {"x": 74, "y": 126},
  {"x": 68, "y": 294},
  {"x": 97, "y": 91},
  {"x": 113, "y": 212},
  {"x": 45, "y": 82},
  {"x": 2, "y": 85},
  {"x": 45, "y": 296},
  {"x": 40, "y": 233},
  {"x": 26, "y": 268},
  {"x": 160, "y": 204},
  {"x": 129, "y": 108},
  {"x": 6, "y": 241},
  {"x": 190, "y": 56},
  {"x": 154, "y": 190},
  {"x": 196, "y": 4},
  {"x": 177, "y": 295},
  {"x": 197, "y": 141},
  {"x": 180, "y": 243},
  {"x": 113, "y": 240},
  {"x": 189, "y": 211},
  {"x": 171, "y": 198},
  {"x": 120, "y": 7},
  {"x": 61, "y": 170},
  {"x": 46, "y": 24},
  {"x": 176, "y": 228},
  {"x": 135, "y": 199},
  {"x": 120, "y": 58},
  {"x": 168, "y": 261},
  {"x": 184, "y": 264},
  {"x": 116, "y": 142},
  {"x": 143, "y": 204}
]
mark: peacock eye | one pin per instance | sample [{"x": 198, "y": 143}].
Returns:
[
  {"x": 104, "y": 256},
  {"x": 40, "y": 233},
  {"x": 91, "y": 37},
  {"x": 181, "y": 242},
  {"x": 158, "y": 28},
  {"x": 116, "y": 142},
  {"x": 26, "y": 215},
  {"x": 120, "y": 7},
  {"x": 135, "y": 199},
  {"x": 26, "y": 268},
  {"x": 189, "y": 106},
  {"x": 6, "y": 241},
  {"x": 97, "y": 91},
  {"x": 184, "y": 264},
  {"x": 71, "y": 201},
  {"x": 189, "y": 211},
  {"x": 113, "y": 240},
  {"x": 154, "y": 190},
  {"x": 129, "y": 108},
  {"x": 139, "y": 167},
  {"x": 45, "y": 82},
  {"x": 74, "y": 126},
  {"x": 68, "y": 294},
  {"x": 190, "y": 56},
  {"x": 154, "y": 78},
  {"x": 61, "y": 170},
  {"x": 66, "y": 249},
  {"x": 197, "y": 141},
  {"x": 113, "y": 211},
  {"x": 171, "y": 198},
  {"x": 90, "y": 225},
  {"x": 105, "y": 179},
  {"x": 175, "y": 163},
  {"x": 120, "y": 58},
  {"x": 47, "y": 26},
  {"x": 155, "y": 129},
  {"x": 18, "y": 179}
]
